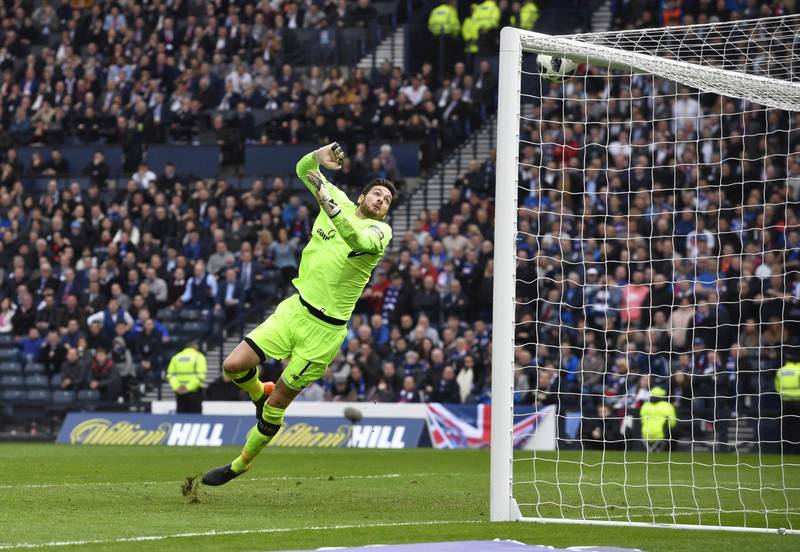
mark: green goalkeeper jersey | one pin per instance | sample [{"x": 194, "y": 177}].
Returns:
[{"x": 337, "y": 262}]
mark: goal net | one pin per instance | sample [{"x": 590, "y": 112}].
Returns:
[{"x": 648, "y": 287}]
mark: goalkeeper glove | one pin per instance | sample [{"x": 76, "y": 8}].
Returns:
[{"x": 326, "y": 202}]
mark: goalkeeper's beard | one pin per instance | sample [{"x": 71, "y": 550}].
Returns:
[{"x": 364, "y": 211}]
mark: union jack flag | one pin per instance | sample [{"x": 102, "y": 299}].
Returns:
[{"x": 468, "y": 426}]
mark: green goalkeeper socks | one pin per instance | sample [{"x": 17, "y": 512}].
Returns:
[
  {"x": 249, "y": 382},
  {"x": 258, "y": 439}
]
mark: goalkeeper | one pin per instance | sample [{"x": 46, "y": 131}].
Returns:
[{"x": 346, "y": 243}]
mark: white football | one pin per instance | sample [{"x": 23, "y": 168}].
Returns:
[{"x": 556, "y": 69}]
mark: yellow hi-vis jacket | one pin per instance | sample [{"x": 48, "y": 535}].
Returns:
[
  {"x": 528, "y": 15},
  {"x": 787, "y": 382},
  {"x": 655, "y": 415},
  {"x": 470, "y": 34},
  {"x": 187, "y": 368},
  {"x": 486, "y": 15},
  {"x": 444, "y": 20}
]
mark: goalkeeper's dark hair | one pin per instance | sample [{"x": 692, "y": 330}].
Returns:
[{"x": 381, "y": 182}]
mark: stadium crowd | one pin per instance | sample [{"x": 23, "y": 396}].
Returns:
[
  {"x": 657, "y": 260},
  {"x": 136, "y": 73},
  {"x": 94, "y": 273},
  {"x": 629, "y": 286}
]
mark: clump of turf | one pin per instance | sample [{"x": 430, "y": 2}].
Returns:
[{"x": 190, "y": 489}]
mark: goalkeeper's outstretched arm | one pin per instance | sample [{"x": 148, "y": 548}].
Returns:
[
  {"x": 330, "y": 198},
  {"x": 307, "y": 169}
]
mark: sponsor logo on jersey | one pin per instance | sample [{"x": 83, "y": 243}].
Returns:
[{"x": 329, "y": 236}]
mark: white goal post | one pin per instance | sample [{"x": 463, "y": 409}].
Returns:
[{"x": 770, "y": 80}]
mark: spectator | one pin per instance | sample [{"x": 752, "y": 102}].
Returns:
[
  {"x": 229, "y": 297},
  {"x": 201, "y": 289},
  {"x": 30, "y": 346},
  {"x": 143, "y": 177},
  {"x": 147, "y": 347},
  {"x": 103, "y": 376},
  {"x": 427, "y": 301},
  {"x": 446, "y": 389},
  {"x": 284, "y": 252},
  {"x": 409, "y": 393},
  {"x": 112, "y": 315},
  {"x": 74, "y": 371},
  {"x": 603, "y": 432},
  {"x": 7, "y": 312},
  {"x": 97, "y": 170}
]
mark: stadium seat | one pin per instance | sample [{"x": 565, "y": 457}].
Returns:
[
  {"x": 88, "y": 396},
  {"x": 173, "y": 341},
  {"x": 193, "y": 328},
  {"x": 38, "y": 396},
  {"x": 10, "y": 368},
  {"x": 35, "y": 368},
  {"x": 13, "y": 395},
  {"x": 189, "y": 314},
  {"x": 9, "y": 354},
  {"x": 6, "y": 340},
  {"x": 166, "y": 314},
  {"x": 63, "y": 397},
  {"x": 55, "y": 381},
  {"x": 172, "y": 327},
  {"x": 11, "y": 382},
  {"x": 36, "y": 381}
]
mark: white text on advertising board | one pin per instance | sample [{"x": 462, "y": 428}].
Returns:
[{"x": 376, "y": 436}]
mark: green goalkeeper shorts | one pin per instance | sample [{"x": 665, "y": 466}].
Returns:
[{"x": 292, "y": 331}]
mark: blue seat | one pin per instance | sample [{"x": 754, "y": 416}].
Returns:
[
  {"x": 37, "y": 381},
  {"x": 11, "y": 382},
  {"x": 9, "y": 354},
  {"x": 13, "y": 395},
  {"x": 55, "y": 381},
  {"x": 10, "y": 368},
  {"x": 63, "y": 396},
  {"x": 35, "y": 368},
  {"x": 88, "y": 395},
  {"x": 38, "y": 396},
  {"x": 6, "y": 340}
]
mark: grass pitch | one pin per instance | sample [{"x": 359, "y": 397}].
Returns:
[{"x": 137, "y": 498}]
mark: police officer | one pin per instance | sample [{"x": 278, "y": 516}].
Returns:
[
  {"x": 659, "y": 417},
  {"x": 787, "y": 384},
  {"x": 470, "y": 34},
  {"x": 186, "y": 374},
  {"x": 444, "y": 25},
  {"x": 529, "y": 15},
  {"x": 443, "y": 19},
  {"x": 522, "y": 17},
  {"x": 487, "y": 17}
]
